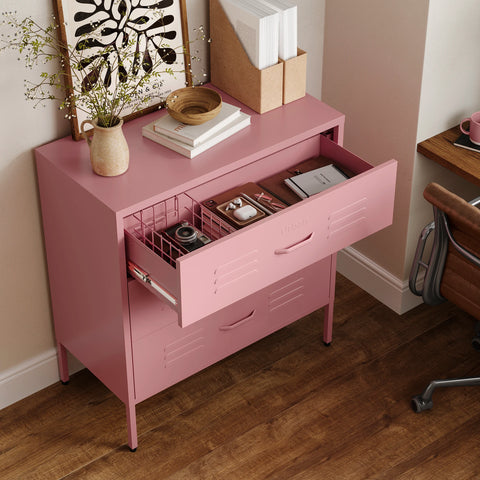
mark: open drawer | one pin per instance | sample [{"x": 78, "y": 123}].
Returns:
[{"x": 239, "y": 263}]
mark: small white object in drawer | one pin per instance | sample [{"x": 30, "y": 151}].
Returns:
[{"x": 244, "y": 213}]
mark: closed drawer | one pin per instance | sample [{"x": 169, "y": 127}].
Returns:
[
  {"x": 272, "y": 308},
  {"x": 299, "y": 294},
  {"x": 165, "y": 353},
  {"x": 248, "y": 260}
]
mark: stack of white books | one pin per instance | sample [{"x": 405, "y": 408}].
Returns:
[
  {"x": 267, "y": 29},
  {"x": 191, "y": 140}
]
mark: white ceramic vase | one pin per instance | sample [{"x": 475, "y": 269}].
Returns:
[{"x": 109, "y": 154}]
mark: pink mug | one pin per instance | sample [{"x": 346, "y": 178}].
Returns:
[{"x": 474, "y": 131}]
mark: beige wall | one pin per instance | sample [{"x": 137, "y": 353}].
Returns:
[
  {"x": 25, "y": 310},
  {"x": 401, "y": 72},
  {"x": 372, "y": 72},
  {"x": 27, "y": 340},
  {"x": 311, "y": 18}
]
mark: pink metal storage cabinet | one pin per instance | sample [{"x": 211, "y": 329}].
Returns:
[{"x": 139, "y": 340}]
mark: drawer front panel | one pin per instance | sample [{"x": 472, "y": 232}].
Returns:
[
  {"x": 240, "y": 325},
  {"x": 299, "y": 294},
  {"x": 147, "y": 313},
  {"x": 263, "y": 253},
  {"x": 164, "y": 353},
  {"x": 169, "y": 356}
]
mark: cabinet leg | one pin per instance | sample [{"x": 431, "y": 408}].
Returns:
[
  {"x": 62, "y": 363},
  {"x": 328, "y": 324},
  {"x": 132, "y": 427},
  {"x": 328, "y": 318}
]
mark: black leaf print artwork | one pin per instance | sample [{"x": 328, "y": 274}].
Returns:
[
  {"x": 147, "y": 63},
  {"x": 112, "y": 25},
  {"x": 90, "y": 79}
]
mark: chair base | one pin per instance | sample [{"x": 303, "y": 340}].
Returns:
[{"x": 423, "y": 402}]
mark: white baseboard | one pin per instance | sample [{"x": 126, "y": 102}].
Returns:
[
  {"x": 378, "y": 282},
  {"x": 31, "y": 376}
]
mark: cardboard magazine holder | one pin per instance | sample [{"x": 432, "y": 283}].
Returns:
[
  {"x": 294, "y": 77},
  {"x": 232, "y": 71}
]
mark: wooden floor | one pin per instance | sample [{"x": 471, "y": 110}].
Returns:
[{"x": 285, "y": 408}]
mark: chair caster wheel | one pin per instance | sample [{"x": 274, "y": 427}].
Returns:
[
  {"x": 476, "y": 343},
  {"x": 327, "y": 344},
  {"x": 65, "y": 383},
  {"x": 477, "y": 329},
  {"x": 420, "y": 405},
  {"x": 133, "y": 450}
]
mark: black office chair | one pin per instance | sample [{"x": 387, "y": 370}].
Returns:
[{"x": 453, "y": 269}]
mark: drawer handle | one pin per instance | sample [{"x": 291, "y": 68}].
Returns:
[
  {"x": 145, "y": 277},
  {"x": 227, "y": 328},
  {"x": 293, "y": 247}
]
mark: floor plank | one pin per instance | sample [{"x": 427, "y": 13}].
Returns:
[{"x": 284, "y": 408}]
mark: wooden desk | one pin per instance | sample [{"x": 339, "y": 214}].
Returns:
[{"x": 461, "y": 161}]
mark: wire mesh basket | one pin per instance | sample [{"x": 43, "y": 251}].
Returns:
[{"x": 155, "y": 226}]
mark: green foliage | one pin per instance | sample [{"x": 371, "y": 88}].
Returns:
[{"x": 104, "y": 80}]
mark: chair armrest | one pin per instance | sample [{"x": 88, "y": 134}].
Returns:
[{"x": 463, "y": 251}]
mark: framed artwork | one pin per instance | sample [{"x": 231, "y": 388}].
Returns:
[{"x": 152, "y": 29}]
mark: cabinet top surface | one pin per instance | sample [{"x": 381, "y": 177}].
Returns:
[{"x": 157, "y": 172}]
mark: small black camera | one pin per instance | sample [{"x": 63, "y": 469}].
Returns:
[{"x": 186, "y": 237}]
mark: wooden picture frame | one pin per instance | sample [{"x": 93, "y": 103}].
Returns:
[{"x": 115, "y": 20}]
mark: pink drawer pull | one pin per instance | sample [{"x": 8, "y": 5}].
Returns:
[
  {"x": 226, "y": 328},
  {"x": 293, "y": 247}
]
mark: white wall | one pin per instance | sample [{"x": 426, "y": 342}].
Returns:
[
  {"x": 450, "y": 92},
  {"x": 27, "y": 355},
  {"x": 451, "y": 75}
]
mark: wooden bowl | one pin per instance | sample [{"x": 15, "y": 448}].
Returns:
[{"x": 194, "y": 105}]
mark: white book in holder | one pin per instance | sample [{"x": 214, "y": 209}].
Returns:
[
  {"x": 257, "y": 27},
  {"x": 288, "y": 29}
]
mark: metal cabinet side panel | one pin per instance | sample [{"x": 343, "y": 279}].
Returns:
[{"x": 87, "y": 277}]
